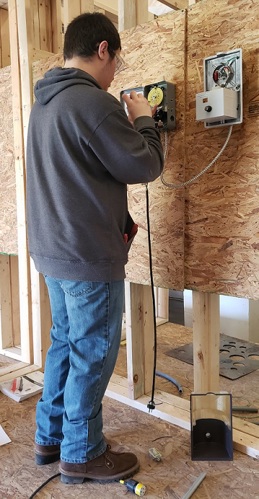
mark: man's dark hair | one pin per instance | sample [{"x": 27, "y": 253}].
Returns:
[{"x": 86, "y": 32}]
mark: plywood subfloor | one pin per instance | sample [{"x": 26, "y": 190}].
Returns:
[{"x": 136, "y": 431}]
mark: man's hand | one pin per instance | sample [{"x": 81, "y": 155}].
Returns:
[{"x": 137, "y": 105}]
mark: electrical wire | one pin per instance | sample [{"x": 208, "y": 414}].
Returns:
[
  {"x": 173, "y": 380},
  {"x": 193, "y": 179},
  {"x": 43, "y": 485},
  {"x": 151, "y": 404}
]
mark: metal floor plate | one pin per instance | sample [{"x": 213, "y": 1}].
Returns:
[{"x": 237, "y": 357}]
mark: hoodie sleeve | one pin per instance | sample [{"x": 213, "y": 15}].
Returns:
[{"x": 131, "y": 154}]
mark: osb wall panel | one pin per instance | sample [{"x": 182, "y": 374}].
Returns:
[
  {"x": 221, "y": 212},
  {"x": 8, "y": 224},
  {"x": 222, "y": 208}
]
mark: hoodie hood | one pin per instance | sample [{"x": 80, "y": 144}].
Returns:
[{"x": 58, "y": 79}]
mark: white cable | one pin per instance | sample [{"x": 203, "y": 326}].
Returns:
[{"x": 188, "y": 182}]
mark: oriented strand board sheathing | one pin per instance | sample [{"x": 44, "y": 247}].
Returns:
[
  {"x": 220, "y": 250},
  {"x": 39, "y": 68},
  {"x": 8, "y": 225},
  {"x": 222, "y": 224}
]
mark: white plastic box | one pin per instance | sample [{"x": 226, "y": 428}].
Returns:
[{"x": 217, "y": 105}]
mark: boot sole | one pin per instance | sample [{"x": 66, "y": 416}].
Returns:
[
  {"x": 41, "y": 460},
  {"x": 79, "y": 478}
]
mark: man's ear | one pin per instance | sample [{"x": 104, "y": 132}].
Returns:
[{"x": 102, "y": 49}]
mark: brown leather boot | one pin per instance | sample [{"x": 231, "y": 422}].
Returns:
[
  {"x": 109, "y": 466},
  {"x": 46, "y": 454}
]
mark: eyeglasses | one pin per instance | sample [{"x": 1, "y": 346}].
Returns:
[{"x": 120, "y": 64}]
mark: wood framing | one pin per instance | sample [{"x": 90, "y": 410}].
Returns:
[
  {"x": 73, "y": 9},
  {"x": 139, "y": 331},
  {"x": 151, "y": 58},
  {"x": 206, "y": 342},
  {"x": 131, "y": 13},
  {"x": 10, "y": 339},
  {"x": 19, "y": 137},
  {"x": 57, "y": 26},
  {"x": 6, "y": 335}
]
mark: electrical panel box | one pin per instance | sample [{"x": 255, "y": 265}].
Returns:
[
  {"x": 221, "y": 102},
  {"x": 161, "y": 95},
  {"x": 215, "y": 105}
]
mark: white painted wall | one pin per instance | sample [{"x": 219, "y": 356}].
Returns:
[{"x": 239, "y": 317}]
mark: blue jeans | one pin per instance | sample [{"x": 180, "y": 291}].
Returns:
[{"x": 85, "y": 336}]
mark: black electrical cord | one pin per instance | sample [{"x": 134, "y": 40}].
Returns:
[
  {"x": 43, "y": 485},
  {"x": 151, "y": 404}
]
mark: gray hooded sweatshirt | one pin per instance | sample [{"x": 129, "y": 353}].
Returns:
[{"x": 81, "y": 154}]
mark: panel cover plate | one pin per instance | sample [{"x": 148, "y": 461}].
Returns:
[{"x": 237, "y": 357}]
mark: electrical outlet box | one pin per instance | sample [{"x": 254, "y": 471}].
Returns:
[
  {"x": 223, "y": 74},
  {"x": 214, "y": 105}
]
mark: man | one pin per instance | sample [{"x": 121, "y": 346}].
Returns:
[{"x": 82, "y": 152}]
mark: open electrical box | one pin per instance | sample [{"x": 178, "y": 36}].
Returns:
[
  {"x": 221, "y": 102},
  {"x": 161, "y": 95}
]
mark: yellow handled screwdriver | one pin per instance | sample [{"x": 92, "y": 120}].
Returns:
[{"x": 136, "y": 487}]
